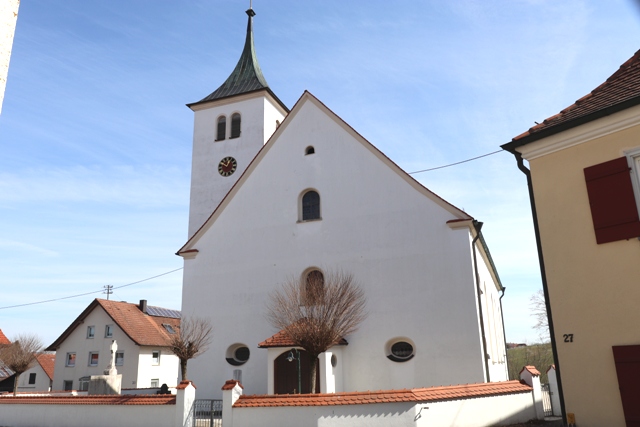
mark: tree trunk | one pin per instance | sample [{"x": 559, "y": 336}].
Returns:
[
  {"x": 183, "y": 368},
  {"x": 15, "y": 384},
  {"x": 313, "y": 366}
]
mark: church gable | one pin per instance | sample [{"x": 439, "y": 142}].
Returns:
[{"x": 314, "y": 150}]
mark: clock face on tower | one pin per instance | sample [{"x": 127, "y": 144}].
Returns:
[{"x": 227, "y": 166}]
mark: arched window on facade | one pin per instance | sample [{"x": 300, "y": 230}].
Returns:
[
  {"x": 235, "y": 125},
  {"x": 222, "y": 128},
  {"x": 313, "y": 287},
  {"x": 310, "y": 205}
]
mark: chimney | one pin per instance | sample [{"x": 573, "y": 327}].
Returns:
[{"x": 143, "y": 306}]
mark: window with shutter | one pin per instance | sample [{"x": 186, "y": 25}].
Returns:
[
  {"x": 222, "y": 128},
  {"x": 613, "y": 206},
  {"x": 235, "y": 125}
]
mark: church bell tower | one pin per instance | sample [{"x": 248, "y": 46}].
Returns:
[{"x": 230, "y": 126}]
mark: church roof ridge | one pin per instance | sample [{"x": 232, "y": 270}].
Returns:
[{"x": 246, "y": 76}]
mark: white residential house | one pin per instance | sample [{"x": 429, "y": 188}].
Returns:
[
  {"x": 279, "y": 194},
  {"x": 141, "y": 332},
  {"x": 40, "y": 376}
]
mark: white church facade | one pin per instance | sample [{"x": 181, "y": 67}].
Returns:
[{"x": 277, "y": 194}]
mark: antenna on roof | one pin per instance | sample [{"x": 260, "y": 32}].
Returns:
[{"x": 108, "y": 289}]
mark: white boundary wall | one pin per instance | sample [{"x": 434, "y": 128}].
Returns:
[{"x": 97, "y": 415}]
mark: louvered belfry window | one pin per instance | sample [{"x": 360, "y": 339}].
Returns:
[
  {"x": 613, "y": 206},
  {"x": 310, "y": 206},
  {"x": 235, "y": 125},
  {"x": 222, "y": 128}
]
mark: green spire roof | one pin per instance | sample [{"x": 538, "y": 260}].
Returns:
[{"x": 247, "y": 76}]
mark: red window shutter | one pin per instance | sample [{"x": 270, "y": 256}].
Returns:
[
  {"x": 613, "y": 205},
  {"x": 627, "y": 359}
]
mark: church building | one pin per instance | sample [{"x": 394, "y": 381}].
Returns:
[{"x": 280, "y": 194}]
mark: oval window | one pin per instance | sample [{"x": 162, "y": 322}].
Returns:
[
  {"x": 401, "y": 351},
  {"x": 238, "y": 354}
]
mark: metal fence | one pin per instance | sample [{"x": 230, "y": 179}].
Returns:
[
  {"x": 206, "y": 413},
  {"x": 546, "y": 400}
]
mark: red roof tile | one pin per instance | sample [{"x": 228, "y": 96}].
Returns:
[
  {"x": 142, "y": 328},
  {"x": 282, "y": 339},
  {"x": 531, "y": 369},
  {"x": 620, "y": 91},
  {"x": 116, "y": 399},
  {"x": 47, "y": 361},
  {"x": 184, "y": 384},
  {"x": 431, "y": 394},
  {"x": 3, "y": 338},
  {"x": 230, "y": 384}
]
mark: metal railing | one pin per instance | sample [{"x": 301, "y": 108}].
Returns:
[{"x": 206, "y": 413}]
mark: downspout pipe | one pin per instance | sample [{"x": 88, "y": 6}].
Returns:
[
  {"x": 543, "y": 275},
  {"x": 504, "y": 332},
  {"x": 477, "y": 225}
]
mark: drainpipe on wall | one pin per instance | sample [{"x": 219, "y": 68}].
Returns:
[
  {"x": 504, "y": 333},
  {"x": 478, "y": 226},
  {"x": 543, "y": 274}
]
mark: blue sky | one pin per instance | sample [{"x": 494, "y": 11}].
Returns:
[{"x": 96, "y": 138}]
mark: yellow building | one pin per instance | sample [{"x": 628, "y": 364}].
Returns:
[{"x": 584, "y": 183}]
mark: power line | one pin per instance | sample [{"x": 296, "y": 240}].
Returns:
[
  {"x": 457, "y": 163},
  {"x": 92, "y": 292}
]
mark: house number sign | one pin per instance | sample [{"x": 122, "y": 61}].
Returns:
[{"x": 568, "y": 337}]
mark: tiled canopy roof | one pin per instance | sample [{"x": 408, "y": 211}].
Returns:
[
  {"x": 282, "y": 339},
  {"x": 3, "y": 338},
  {"x": 142, "y": 328},
  {"x": 47, "y": 362},
  {"x": 116, "y": 399},
  {"x": 247, "y": 76},
  {"x": 620, "y": 91},
  {"x": 432, "y": 394}
]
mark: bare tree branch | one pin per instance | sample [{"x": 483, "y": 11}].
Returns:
[
  {"x": 539, "y": 312},
  {"x": 192, "y": 339},
  {"x": 20, "y": 355},
  {"x": 316, "y": 312}
]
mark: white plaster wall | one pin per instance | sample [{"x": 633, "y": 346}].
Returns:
[
  {"x": 26, "y": 415},
  {"x": 42, "y": 379},
  {"x": 480, "y": 412},
  {"x": 417, "y": 273},
  {"x": 167, "y": 371},
  {"x": 258, "y": 122},
  {"x": 492, "y": 316},
  {"x": 78, "y": 342}
]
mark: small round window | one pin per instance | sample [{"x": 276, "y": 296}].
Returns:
[
  {"x": 238, "y": 354},
  {"x": 401, "y": 351}
]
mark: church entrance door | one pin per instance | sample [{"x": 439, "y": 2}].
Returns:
[{"x": 285, "y": 370}]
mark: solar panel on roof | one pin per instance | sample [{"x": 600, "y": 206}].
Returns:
[{"x": 163, "y": 312}]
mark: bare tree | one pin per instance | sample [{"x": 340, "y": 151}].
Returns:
[
  {"x": 192, "y": 339},
  {"x": 20, "y": 355},
  {"x": 316, "y": 312},
  {"x": 538, "y": 308}
]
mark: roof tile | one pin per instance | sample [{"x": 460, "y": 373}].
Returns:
[
  {"x": 622, "y": 87},
  {"x": 3, "y": 338},
  {"x": 133, "y": 399},
  {"x": 47, "y": 362},
  {"x": 282, "y": 339},
  {"x": 431, "y": 394}
]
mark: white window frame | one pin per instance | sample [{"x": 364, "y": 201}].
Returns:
[
  {"x": 155, "y": 360},
  {"x": 91, "y": 331},
  {"x": 121, "y": 361},
  {"x": 91, "y": 353},
  {"x": 155, "y": 383},
  {"x": 67, "y": 361},
  {"x": 108, "y": 331},
  {"x": 83, "y": 383},
  {"x": 633, "y": 159}
]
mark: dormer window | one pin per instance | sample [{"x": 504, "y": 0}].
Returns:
[
  {"x": 235, "y": 125},
  {"x": 222, "y": 128}
]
